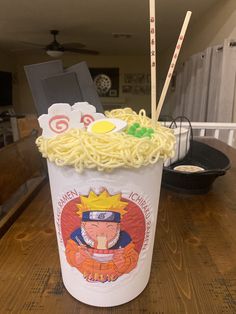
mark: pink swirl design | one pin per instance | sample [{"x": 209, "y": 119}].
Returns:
[
  {"x": 87, "y": 119},
  {"x": 59, "y": 124}
]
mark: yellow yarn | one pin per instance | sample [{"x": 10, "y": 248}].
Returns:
[
  {"x": 130, "y": 116},
  {"x": 84, "y": 150}
]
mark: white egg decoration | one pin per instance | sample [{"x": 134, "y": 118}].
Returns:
[{"x": 108, "y": 125}]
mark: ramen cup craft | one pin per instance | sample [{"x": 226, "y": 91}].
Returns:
[{"x": 105, "y": 180}]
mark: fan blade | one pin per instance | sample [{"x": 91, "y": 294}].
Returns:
[
  {"x": 31, "y": 44},
  {"x": 83, "y": 51},
  {"x": 24, "y": 46},
  {"x": 73, "y": 45}
]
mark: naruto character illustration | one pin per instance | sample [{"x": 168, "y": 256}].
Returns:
[{"x": 99, "y": 249}]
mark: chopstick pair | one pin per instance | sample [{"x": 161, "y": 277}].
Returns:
[{"x": 156, "y": 110}]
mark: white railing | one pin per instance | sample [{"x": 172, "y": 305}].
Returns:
[{"x": 216, "y": 127}]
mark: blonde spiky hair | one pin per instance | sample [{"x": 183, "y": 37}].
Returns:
[{"x": 101, "y": 202}]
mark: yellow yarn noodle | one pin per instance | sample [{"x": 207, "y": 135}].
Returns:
[{"x": 83, "y": 150}]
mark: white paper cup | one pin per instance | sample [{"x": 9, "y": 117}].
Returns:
[
  {"x": 119, "y": 273},
  {"x": 182, "y": 145}
]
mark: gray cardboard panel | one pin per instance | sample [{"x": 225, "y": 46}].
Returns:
[
  {"x": 37, "y": 72},
  {"x": 62, "y": 88},
  {"x": 87, "y": 87}
]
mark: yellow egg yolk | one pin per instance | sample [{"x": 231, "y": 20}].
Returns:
[{"x": 103, "y": 127}]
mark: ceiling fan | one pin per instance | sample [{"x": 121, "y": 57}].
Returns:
[{"x": 55, "y": 49}]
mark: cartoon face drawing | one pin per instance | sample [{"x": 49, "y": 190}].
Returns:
[
  {"x": 99, "y": 248},
  {"x": 101, "y": 234}
]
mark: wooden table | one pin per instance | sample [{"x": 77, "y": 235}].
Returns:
[{"x": 194, "y": 262}]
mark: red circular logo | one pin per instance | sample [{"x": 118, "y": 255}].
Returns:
[
  {"x": 87, "y": 119},
  {"x": 59, "y": 123},
  {"x": 102, "y": 245}
]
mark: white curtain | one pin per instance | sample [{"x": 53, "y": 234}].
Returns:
[
  {"x": 206, "y": 86},
  {"x": 215, "y": 74},
  {"x": 227, "y": 100}
]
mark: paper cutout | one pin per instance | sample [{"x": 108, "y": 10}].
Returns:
[
  {"x": 84, "y": 107},
  {"x": 88, "y": 112},
  {"x": 61, "y": 117},
  {"x": 87, "y": 119},
  {"x": 59, "y": 124},
  {"x": 103, "y": 234},
  {"x": 137, "y": 131},
  {"x": 107, "y": 125},
  {"x": 103, "y": 127}
]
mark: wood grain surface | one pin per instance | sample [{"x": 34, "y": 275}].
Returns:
[{"x": 193, "y": 268}]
